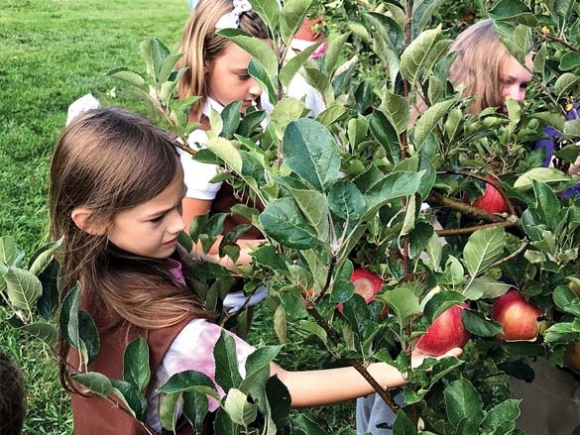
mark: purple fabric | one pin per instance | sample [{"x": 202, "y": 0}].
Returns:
[{"x": 548, "y": 144}]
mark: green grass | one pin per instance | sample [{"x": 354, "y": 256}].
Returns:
[{"x": 51, "y": 53}]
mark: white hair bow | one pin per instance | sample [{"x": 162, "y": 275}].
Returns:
[{"x": 231, "y": 20}]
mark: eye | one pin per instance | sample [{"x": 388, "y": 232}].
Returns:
[
  {"x": 157, "y": 219},
  {"x": 244, "y": 77}
]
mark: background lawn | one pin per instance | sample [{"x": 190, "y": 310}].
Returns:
[{"x": 51, "y": 53}]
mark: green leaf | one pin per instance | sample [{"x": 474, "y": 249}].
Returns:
[
  {"x": 403, "y": 425},
  {"x": 132, "y": 398},
  {"x": 190, "y": 380},
  {"x": 513, "y": 10},
  {"x": 44, "y": 331},
  {"x": 291, "y": 17},
  {"x": 545, "y": 175},
  {"x": 94, "y": 382},
  {"x": 195, "y": 408},
  {"x": 403, "y": 302},
  {"x": 306, "y": 426},
  {"x": 268, "y": 10},
  {"x": 136, "y": 364},
  {"x": 463, "y": 401},
  {"x": 279, "y": 401},
  {"x": 169, "y": 410},
  {"x": 10, "y": 253},
  {"x": 429, "y": 120},
  {"x": 89, "y": 336},
  {"x": 283, "y": 221},
  {"x": 231, "y": 119},
  {"x": 476, "y": 323},
  {"x": 23, "y": 288},
  {"x": 507, "y": 411},
  {"x": 311, "y": 152},
  {"x": 239, "y": 409},
  {"x": 154, "y": 52},
  {"x": 416, "y": 54},
  {"x": 565, "y": 83},
  {"x": 346, "y": 201},
  {"x": 227, "y": 152},
  {"x": 485, "y": 287},
  {"x": 261, "y": 358},
  {"x": 386, "y": 135},
  {"x": 334, "y": 50},
  {"x": 257, "y": 48},
  {"x": 570, "y": 61},
  {"x": 42, "y": 258},
  {"x": 572, "y": 129},
  {"x": 131, "y": 77},
  {"x": 396, "y": 108},
  {"x": 393, "y": 186},
  {"x": 314, "y": 207},
  {"x": 422, "y": 14},
  {"x": 567, "y": 300},
  {"x": 227, "y": 374},
  {"x": 287, "y": 110},
  {"x": 357, "y": 130},
  {"x": 547, "y": 204},
  {"x": 257, "y": 70},
  {"x": 292, "y": 66},
  {"x": 440, "y": 302},
  {"x": 482, "y": 249}
]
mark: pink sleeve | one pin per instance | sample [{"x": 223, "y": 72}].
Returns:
[{"x": 193, "y": 349}]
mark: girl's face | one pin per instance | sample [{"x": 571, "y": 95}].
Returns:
[
  {"x": 515, "y": 78},
  {"x": 151, "y": 229},
  {"x": 227, "y": 78}
]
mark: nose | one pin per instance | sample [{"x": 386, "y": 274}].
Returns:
[
  {"x": 176, "y": 224},
  {"x": 255, "y": 89},
  {"x": 515, "y": 92}
]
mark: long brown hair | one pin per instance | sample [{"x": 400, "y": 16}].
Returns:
[
  {"x": 111, "y": 160},
  {"x": 480, "y": 56},
  {"x": 200, "y": 44}
]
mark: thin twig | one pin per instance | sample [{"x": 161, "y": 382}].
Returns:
[
  {"x": 384, "y": 394},
  {"x": 469, "y": 230},
  {"x": 514, "y": 254}
]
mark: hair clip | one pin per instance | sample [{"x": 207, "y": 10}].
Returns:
[{"x": 231, "y": 20}]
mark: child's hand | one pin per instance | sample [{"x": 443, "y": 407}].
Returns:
[{"x": 417, "y": 357}]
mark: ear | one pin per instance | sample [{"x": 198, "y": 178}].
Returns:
[{"x": 82, "y": 218}]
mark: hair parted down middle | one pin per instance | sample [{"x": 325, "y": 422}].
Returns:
[
  {"x": 201, "y": 44},
  {"x": 480, "y": 55},
  {"x": 110, "y": 160}
]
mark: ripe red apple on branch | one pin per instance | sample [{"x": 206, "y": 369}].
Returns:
[
  {"x": 491, "y": 200},
  {"x": 366, "y": 284},
  {"x": 445, "y": 333},
  {"x": 517, "y": 317}
]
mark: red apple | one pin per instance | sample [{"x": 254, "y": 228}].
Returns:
[
  {"x": 491, "y": 201},
  {"x": 366, "y": 284},
  {"x": 445, "y": 333},
  {"x": 517, "y": 317}
]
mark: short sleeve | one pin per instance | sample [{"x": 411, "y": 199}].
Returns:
[
  {"x": 197, "y": 175},
  {"x": 193, "y": 349}
]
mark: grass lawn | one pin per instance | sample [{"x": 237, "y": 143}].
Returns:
[{"x": 51, "y": 53}]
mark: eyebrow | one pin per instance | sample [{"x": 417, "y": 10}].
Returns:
[{"x": 162, "y": 212}]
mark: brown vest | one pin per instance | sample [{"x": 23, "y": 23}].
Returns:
[{"x": 94, "y": 415}]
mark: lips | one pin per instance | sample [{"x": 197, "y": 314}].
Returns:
[{"x": 171, "y": 242}]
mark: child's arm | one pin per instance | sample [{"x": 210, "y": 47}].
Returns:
[
  {"x": 193, "y": 207},
  {"x": 326, "y": 387}
]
